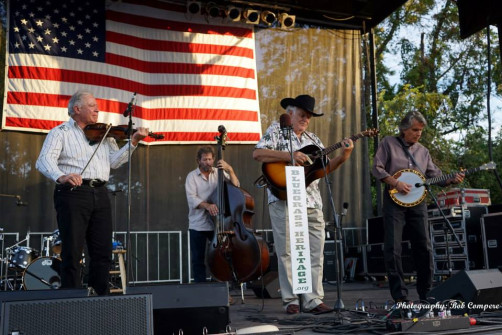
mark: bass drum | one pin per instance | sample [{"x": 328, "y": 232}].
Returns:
[{"x": 42, "y": 274}]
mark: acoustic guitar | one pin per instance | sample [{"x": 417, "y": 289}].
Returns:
[
  {"x": 418, "y": 181},
  {"x": 274, "y": 174}
]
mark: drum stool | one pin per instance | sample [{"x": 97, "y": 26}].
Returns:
[{"x": 122, "y": 272}]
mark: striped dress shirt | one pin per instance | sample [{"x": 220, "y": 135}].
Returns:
[{"x": 66, "y": 150}]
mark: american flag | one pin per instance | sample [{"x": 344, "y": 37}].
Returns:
[{"x": 191, "y": 73}]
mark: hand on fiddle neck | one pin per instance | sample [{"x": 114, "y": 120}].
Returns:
[
  {"x": 228, "y": 169},
  {"x": 140, "y": 134}
]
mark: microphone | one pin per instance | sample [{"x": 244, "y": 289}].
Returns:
[
  {"x": 285, "y": 124},
  {"x": 19, "y": 202},
  {"x": 345, "y": 207},
  {"x": 421, "y": 184},
  {"x": 129, "y": 106}
]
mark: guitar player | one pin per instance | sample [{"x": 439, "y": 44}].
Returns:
[
  {"x": 394, "y": 154},
  {"x": 275, "y": 147}
]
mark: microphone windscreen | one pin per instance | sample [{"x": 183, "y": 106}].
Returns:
[
  {"x": 221, "y": 129},
  {"x": 285, "y": 120},
  {"x": 345, "y": 205}
]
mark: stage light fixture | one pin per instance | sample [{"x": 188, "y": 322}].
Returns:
[
  {"x": 233, "y": 13},
  {"x": 193, "y": 7},
  {"x": 286, "y": 20},
  {"x": 268, "y": 17},
  {"x": 212, "y": 9},
  {"x": 251, "y": 16}
]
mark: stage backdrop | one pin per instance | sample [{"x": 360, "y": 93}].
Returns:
[
  {"x": 187, "y": 74},
  {"x": 321, "y": 62}
]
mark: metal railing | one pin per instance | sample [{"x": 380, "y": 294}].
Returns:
[{"x": 156, "y": 255}]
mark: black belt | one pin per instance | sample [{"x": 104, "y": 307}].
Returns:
[{"x": 93, "y": 182}]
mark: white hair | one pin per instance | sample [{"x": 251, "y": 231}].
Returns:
[{"x": 76, "y": 99}]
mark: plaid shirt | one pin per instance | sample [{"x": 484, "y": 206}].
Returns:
[{"x": 273, "y": 140}]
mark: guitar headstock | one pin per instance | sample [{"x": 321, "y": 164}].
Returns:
[
  {"x": 488, "y": 166},
  {"x": 370, "y": 132}
]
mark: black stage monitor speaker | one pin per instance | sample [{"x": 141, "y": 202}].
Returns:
[
  {"x": 41, "y": 295},
  {"x": 495, "y": 208},
  {"x": 330, "y": 270},
  {"x": 120, "y": 315},
  {"x": 478, "y": 287},
  {"x": 267, "y": 286},
  {"x": 189, "y": 307},
  {"x": 6, "y": 296},
  {"x": 492, "y": 240}
]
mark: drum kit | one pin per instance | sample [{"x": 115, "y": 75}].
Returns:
[{"x": 36, "y": 271}]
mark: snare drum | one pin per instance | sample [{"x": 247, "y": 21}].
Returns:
[
  {"x": 56, "y": 244},
  {"x": 43, "y": 274},
  {"x": 20, "y": 257}
]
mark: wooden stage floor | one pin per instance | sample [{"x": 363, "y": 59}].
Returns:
[{"x": 270, "y": 316}]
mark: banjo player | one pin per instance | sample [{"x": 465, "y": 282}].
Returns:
[{"x": 404, "y": 152}]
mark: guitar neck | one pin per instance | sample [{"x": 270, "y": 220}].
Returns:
[
  {"x": 338, "y": 145},
  {"x": 444, "y": 177}
]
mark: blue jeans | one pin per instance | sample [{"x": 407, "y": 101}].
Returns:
[{"x": 198, "y": 244}]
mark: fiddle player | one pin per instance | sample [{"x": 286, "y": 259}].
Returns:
[
  {"x": 200, "y": 184},
  {"x": 80, "y": 197},
  {"x": 273, "y": 147},
  {"x": 391, "y": 157}
]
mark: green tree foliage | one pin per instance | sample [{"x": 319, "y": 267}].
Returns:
[{"x": 445, "y": 78}]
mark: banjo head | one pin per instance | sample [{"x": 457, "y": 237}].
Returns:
[{"x": 416, "y": 195}]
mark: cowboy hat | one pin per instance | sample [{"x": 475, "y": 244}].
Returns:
[{"x": 303, "y": 101}]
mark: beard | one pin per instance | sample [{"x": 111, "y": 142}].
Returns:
[{"x": 205, "y": 168}]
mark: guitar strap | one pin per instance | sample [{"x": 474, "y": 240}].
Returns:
[{"x": 408, "y": 153}]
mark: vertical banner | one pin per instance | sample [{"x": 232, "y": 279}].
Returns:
[{"x": 298, "y": 230}]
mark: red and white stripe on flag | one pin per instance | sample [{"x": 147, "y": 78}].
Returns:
[{"x": 191, "y": 73}]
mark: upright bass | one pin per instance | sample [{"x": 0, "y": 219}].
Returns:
[{"x": 235, "y": 252}]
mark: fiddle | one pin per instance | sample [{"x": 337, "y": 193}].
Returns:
[{"x": 95, "y": 132}]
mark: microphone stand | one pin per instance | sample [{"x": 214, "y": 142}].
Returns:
[
  {"x": 129, "y": 181},
  {"x": 342, "y": 243},
  {"x": 19, "y": 201},
  {"x": 291, "y": 146},
  {"x": 339, "y": 306},
  {"x": 446, "y": 226}
]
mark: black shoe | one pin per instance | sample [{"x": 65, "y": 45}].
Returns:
[
  {"x": 91, "y": 292},
  {"x": 402, "y": 299}
]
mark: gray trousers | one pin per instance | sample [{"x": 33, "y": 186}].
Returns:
[{"x": 279, "y": 219}]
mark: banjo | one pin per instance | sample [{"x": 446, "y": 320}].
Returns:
[{"x": 418, "y": 181}]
